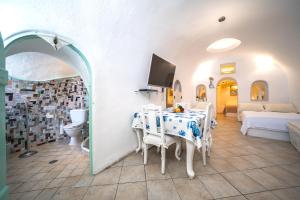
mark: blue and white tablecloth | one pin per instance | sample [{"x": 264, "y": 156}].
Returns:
[{"x": 187, "y": 125}]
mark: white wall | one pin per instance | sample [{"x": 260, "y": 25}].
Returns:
[
  {"x": 247, "y": 71},
  {"x": 37, "y": 67}
]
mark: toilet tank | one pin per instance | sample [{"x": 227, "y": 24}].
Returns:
[{"x": 78, "y": 115}]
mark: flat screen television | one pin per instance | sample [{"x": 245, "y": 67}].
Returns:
[{"x": 161, "y": 72}]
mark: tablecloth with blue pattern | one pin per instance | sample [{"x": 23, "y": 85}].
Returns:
[{"x": 187, "y": 125}]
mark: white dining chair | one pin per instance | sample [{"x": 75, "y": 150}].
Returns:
[
  {"x": 154, "y": 134},
  {"x": 207, "y": 136}
]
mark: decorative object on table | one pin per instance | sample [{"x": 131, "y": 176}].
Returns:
[
  {"x": 178, "y": 109},
  {"x": 211, "y": 84},
  {"x": 227, "y": 68}
]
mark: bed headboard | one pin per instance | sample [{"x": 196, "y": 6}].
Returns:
[{"x": 267, "y": 107}]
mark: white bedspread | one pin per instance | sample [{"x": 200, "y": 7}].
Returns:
[{"x": 273, "y": 121}]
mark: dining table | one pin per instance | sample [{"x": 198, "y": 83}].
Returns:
[{"x": 187, "y": 125}]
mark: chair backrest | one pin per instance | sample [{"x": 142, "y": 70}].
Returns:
[
  {"x": 208, "y": 119},
  {"x": 152, "y": 120}
]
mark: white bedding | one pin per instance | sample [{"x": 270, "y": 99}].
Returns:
[{"x": 273, "y": 121}]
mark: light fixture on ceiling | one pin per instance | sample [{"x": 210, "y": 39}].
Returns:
[
  {"x": 54, "y": 41},
  {"x": 224, "y": 44}
]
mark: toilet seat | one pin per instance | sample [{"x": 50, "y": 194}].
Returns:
[{"x": 73, "y": 125}]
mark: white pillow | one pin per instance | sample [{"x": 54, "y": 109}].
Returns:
[
  {"x": 284, "y": 108},
  {"x": 250, "y": 107}
]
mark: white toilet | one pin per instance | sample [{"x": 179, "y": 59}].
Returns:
[{"x": 78, "y": 118}]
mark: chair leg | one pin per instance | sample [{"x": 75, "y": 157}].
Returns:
[
  {"x": 209, "y": 146},
  {"x": 204, "y": 152},
  {"x": 163, "y": 160},
  {"x": 157, "y": 150},
  {"x": 178, "y": 150},
  {"x": 145, "y": 154}
]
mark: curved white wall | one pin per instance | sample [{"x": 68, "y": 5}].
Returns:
[
  {"x": 35, "y": 66},
  {"x": 248, "y": 70}
]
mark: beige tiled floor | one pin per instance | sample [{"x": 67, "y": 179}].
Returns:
[{"x": 240, "y": 168}]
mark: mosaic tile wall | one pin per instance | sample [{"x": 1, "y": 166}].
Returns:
[{"x": 48, "y": 105}]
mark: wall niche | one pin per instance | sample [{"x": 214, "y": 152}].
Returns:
[{"x": 259, "y": 91}]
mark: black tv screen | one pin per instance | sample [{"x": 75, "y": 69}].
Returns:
[{"x": 161, "y": 72}]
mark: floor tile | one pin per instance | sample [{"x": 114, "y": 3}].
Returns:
[
  {"x": 71, "y": 181},
  {"x": 65, "y": 173},
  {"x": 25, "y": 195},
  {"x": 243, "y": 182},
  {"x": 283, "y": 175},
  {"x": 240, "y": 163},
  {"x": 294, "y": 168},
  {"x": 267, "y": 180},
  {"x": 12, "y": 187},
  {"x": 108, "y": 176},
  {"x": 262, "y": 196},
  {"x": 201, "y": 169},
  {"x": 46, "y": 194},
  {"x": 191, "y": 189},
  {"x": 218, "y": 186},
  {"x": 177, "y": 169},
  {"x": 84, "y": 181},
  {"x": 257, "y": 161},
  {"x": 56, "y": 183},
  {"x": 153, "y": 172},
  {"x": 132, "y": 191},
  {"x": 133, "y": 159},
  {"x": 162, "y": 190},
  {"x": 105, "y": 192},
  {"x": 234, "y": 198},
  {"x": 288, "y": 194},
  {"x": 132, "y": 174},
  {"x": 222, "y": 165},
  {"x": 70, "y": 193}
]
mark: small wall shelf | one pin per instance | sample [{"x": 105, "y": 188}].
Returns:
[{"x": 146, "y": 90}]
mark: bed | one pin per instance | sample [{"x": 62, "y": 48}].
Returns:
[{"x": 270, "y": 122}]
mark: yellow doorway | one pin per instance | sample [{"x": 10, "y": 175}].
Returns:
[{"x": 227, "y": 97}]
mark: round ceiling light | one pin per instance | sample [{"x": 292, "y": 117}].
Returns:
[{"x": 223, "y": 45}]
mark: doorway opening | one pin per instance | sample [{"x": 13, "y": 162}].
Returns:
[
  {"x": 227, "y": 97},
  {"x": 63, "y": 49}
]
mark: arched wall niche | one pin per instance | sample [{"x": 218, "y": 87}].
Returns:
[
  {"x": 201, "y": 94},
  {"x": 259, "y": 91},
  {"x": 40, "y": 41},
  {"x": 177, "y": 92}
]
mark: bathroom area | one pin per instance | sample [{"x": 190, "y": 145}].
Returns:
[
  {"x": 47, "y": 115},
  {"x": 41, "y": 112}
]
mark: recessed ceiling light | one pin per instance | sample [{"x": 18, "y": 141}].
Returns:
[{"x": 223, "y": 45}]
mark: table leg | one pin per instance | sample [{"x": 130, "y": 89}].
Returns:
[
  {"x": 190, "y": 147},
  {"x": 139, "y": 138}
]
